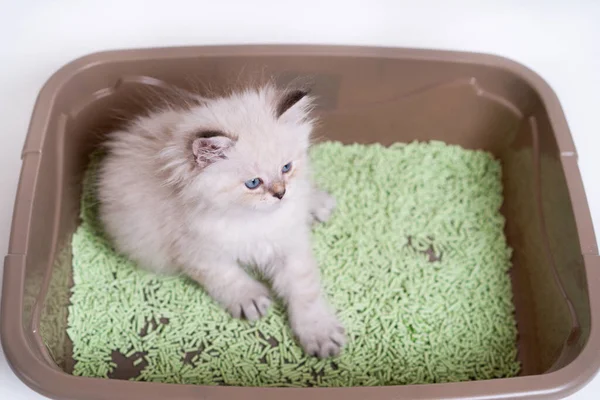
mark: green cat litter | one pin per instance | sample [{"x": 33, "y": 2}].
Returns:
[{"x": 414, "y": 260}]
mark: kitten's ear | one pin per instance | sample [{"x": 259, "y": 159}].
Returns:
[
  {"x": 207, "y": 150},
  {"x": 293, "y": 105}
]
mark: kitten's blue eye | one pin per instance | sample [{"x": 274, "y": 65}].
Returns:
[
  {"x": 253, "y": 183},
  {"x": 286, "y": 167}
]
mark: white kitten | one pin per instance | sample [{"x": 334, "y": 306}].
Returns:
[{"x": 219, "y": 186}]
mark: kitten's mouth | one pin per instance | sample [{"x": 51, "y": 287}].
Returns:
[
  {"x": 267, "y": 207},
  {"x": 278, "y": 204}
]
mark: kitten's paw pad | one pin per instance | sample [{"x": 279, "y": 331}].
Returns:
[
  {"x": 251, "y": 303},
  {"x": 323, "y": 206},
  {"x": 323, "y": 337}
]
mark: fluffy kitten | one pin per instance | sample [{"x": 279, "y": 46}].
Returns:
[{"x": 220, "y": 186}]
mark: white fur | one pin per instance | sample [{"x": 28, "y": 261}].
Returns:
[{"x": 173, "y": 206}]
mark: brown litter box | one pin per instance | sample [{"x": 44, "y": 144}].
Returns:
[{"x": 366, "y": 95}]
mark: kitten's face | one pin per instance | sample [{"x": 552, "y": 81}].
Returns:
[{"x": 251, "y": 150}]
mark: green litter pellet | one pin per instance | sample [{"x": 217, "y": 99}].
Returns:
[{"x": 414, "y": 260}]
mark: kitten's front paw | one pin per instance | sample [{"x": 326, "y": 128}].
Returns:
[
  {"x": 251, "y": 301},
  {"x": 323, "y": 206},
  {"x": 320, "y": 333}
]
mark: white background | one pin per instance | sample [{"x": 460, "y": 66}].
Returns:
[{"x": 557, "y": 39}]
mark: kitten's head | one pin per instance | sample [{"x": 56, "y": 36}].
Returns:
[{"x": 249, "y": 150}]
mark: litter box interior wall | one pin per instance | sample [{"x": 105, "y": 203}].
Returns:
[{"x": 364, "y": 99}]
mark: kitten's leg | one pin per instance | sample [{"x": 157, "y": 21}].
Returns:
[
  {"x": 322, "y": 205},
  {"x": 233, "y": 288},
  {"x": 317, "y": 328}
]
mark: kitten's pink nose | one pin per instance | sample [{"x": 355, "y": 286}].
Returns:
[
  {"x": 278, "y": 190},
  {"x": 279, "y": 194}
]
